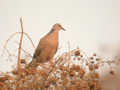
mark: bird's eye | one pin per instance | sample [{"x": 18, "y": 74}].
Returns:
[{"x": 59, "y": 25}]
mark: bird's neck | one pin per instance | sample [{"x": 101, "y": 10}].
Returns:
[
  {"x": 54, "y": 34},
  {"x": 53, "y": 31}
]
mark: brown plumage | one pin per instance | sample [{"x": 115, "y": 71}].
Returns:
[{"x": 47, "y": 47}]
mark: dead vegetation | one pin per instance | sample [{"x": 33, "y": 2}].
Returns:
[
  {"x": 61, "y": 76},
  {"x": 73, "y": 70}
]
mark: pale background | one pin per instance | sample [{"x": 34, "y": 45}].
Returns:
[{"x": 90, "y": 24}]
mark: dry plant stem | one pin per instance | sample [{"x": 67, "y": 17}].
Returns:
[
  {"x": 69, "y": 54},
  {"x": 19, "y": 49},
  {"x": 7, "y": 43},
  {"x": 54, "y": 67},
  {"x": 28, "y": 38},
  {"x": 59, "y": 62},
  {"x": 25, "y": 51}
]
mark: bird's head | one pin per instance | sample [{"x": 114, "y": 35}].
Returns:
[{"x": 58, "y": 27}]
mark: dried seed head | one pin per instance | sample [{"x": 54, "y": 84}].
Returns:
[
  {"x": 81, "y": 55},
  {"x": 95, "y": 75},
  {"x": 91, "y": 67},
  {"x": 46, "y": 84},
  {"x": 112, "y": 72},
  {"x": 91, "y": 58},
  {"x": 92, "y": 62},
  {"x": 94, "y": 54},
  {"x": 96, "y": 66},
  {"x": 23, "y": 61},
  {"x": 72, "y": 73},
  {"x": 77, "y": 53},
  {"x": 78, "y": 58},
  {"x": 98, "y": 59}
]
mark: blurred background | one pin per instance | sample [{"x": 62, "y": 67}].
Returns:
[{"x": 92, "y": 25}]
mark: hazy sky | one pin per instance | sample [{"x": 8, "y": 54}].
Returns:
[{"x": 89, "y": 23}]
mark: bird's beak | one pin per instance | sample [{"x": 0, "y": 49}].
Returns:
[{"x": 63, "y": 28}]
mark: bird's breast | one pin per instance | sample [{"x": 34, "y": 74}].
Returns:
[{"x": 52, "y": 39}]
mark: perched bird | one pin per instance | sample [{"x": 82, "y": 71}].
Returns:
[{"x": 47, "y": 47}]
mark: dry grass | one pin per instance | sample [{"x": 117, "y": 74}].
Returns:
[{"x": 60, "y": 76}]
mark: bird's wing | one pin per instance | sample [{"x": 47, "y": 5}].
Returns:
[
  {"x": 37, "y": 52},
  {"x": 44, "y": 49},
  {"x": 38, "y": 49}
]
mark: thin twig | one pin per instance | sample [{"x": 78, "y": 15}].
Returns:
[
  {"x": 11, "y": 36},
  {"x": 69, "y": 54},
  {"x": 27, "y": 53},
  {"x": 20, "y": 45}
]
